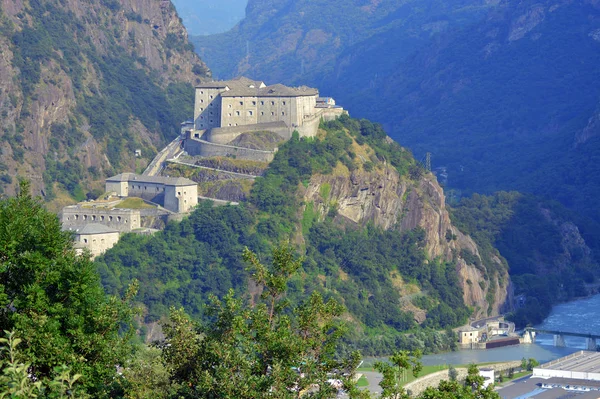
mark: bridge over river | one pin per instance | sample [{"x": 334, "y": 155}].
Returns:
[{"x": 559, "y": 337}]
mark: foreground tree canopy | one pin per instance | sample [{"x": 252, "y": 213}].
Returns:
[
  {"x": 52, "y": 299},
  {"x": 67, "y": 338}
]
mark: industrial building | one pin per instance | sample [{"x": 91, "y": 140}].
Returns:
[{"x": 576, "y": 376}]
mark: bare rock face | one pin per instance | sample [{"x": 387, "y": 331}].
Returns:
[{"x": 387, "y": 200}]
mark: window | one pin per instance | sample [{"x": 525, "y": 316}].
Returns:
[
  {"x": 262, "y": 103},
  {"x": 283, "y": 102},
  {"x": 250, "y": 113},
  {"x": 93, "y": 217},
  {"x": 282, "y": 113},
  {"x": 211, "y": 97},
  {"x": 201, "y": 92},
  {"x": 262, "y": 113},
  {"x": 211, "y": 112},
  {"x": 110, "y": 218},
  {"x": 201, "y": 117},
  {"x": 76, "y": 217},
  {"x": 211, "y": 104},
  {"x": 230, "y": 124},
  {"x": 201, "y": 100},
  {"x": 229, "y": 105},
  {"x": 102, "y": 218},
  {"x": 84, "y": 217},
  {"x": 118, "y": 218},
  {"x": 229, "y": 114},
  {"x": 178, "y": 192},
  {"x": 237, "y": 113},
  {"x": 85, "y": 240},
  {"x": 201, "y": 125},
  {"x": 272, "y": 102},
  {"x": 201, "y": 109},
  {"x": 253, "y": 102},
  {"x": 241, "y": 103},
  {"x": 211, "y": 121}
]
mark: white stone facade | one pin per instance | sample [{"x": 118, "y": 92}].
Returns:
[{"x": 178, "y": 195}]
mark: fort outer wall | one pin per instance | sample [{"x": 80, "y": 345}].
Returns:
[
  {"x": 123, "y": 220},
  {"x": 225, "y": 135},
  {"x": 206, "y": 149}
]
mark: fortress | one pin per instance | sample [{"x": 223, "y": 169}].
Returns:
[{"x": 225, "y": 110}]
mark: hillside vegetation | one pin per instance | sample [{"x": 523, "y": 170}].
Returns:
[
  {"x": 382, "y": 276},
  {"x": 84, "y": 85}
]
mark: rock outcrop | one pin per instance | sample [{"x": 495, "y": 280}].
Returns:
[{"x": 388, "y": 200}]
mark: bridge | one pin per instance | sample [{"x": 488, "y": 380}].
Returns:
[{"x": 559, "y": 337}]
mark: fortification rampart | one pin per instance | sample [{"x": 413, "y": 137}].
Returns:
[
  {"x": 122, "y": 220},
  {"x": 206, "y": 149},
  {"x": 225, "y": 135}
]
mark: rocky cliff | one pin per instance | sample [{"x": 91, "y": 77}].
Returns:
[
  {"x": 83, "y": 84},
  {"x": 386, "y": 199}
]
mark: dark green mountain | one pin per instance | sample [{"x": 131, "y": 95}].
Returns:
[{"x": 504, "y": 94}]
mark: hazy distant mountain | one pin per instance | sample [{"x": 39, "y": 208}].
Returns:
[
  {"x": 504, "y": 94},
  {"x": 206, "y": 17}
]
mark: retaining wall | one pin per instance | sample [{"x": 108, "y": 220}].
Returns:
[{"x": 205, "y": 149}]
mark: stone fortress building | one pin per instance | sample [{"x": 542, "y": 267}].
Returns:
[
  {"x": 178, "y": 195},
  {"x": 224, "y": 110}
]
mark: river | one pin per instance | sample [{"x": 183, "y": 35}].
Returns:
[{"x": 578, "y": 316}]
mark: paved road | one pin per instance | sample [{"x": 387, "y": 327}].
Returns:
[{"x": 169, "y": 151}]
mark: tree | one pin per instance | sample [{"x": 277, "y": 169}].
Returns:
[
  {"x": 52, "y": 299},
  {"x": 401, "y": 362},
  {"x": 267, "y": 350},
  {"x": 452, "y": 373},
  {"x": 471, "y": 389},
  {"x": 531, "y": 363}
]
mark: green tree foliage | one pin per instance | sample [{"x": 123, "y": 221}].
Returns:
[
  {"x": 52, "y": 299},
  {"x": 268, "y": 350},
  {"x": 471, "y": 389},
  {"x": 16, "y": 382},
  {"x": 393, "y": 370},
  {"x": 188, "y": 261}
]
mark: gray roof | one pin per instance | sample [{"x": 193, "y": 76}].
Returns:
[
  {"x": 167, "y": 181},
  {"x": 277, "y": 90},
  {"x": 94, "y": 228},
  {"x": 236, "y": 83}
]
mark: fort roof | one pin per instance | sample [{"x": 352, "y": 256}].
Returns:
[
  {"x": 277, "y": 90},
  {"x": 167, "y": 181},
  {"x": 237, "y": 83},
  {"x": 93, "y": 228}
]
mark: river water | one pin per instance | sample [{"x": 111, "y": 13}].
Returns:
[{"x": 582, "y": 316}]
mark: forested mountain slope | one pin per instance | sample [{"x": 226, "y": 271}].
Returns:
[
  {"x": 83, "y": 84},
  {"x": 370, "y": 221},
  {"x": 504, "y": 94}
]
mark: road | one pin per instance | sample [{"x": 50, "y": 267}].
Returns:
[{"x": 158, "y": 163}]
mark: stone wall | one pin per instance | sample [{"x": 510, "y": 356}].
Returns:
[
  {"x": 433, "y": 380},
  {"x": 224, "y": 135},
  {"x": 123, "y": 220},
  {"x": 207, "y": 149},
  {"x": 97, "y": 243}
]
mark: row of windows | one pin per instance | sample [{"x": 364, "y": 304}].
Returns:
[
  {"x": 158, "y": 189},
  {"x": 254, "y": 103},
  {"x": 100, "y": 218},
  {"x": 250, "y": 113}
]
